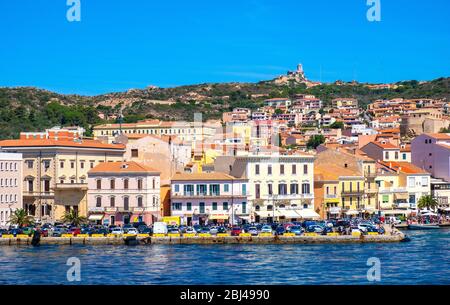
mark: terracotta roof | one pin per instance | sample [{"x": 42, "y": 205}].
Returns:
[
  {"x": 439, "y": 136},
  {"x": 58, "y": 143},
  {"x": 403, "y": 167},
  {"x": 122, "y": 167},
  {"x": 202, "y": 176},
  {"x": 385, "y": 145}
]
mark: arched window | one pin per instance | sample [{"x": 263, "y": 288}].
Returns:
[
  {"x": 125, "y": 183},
  {"x": 257, "y": 208},
  {"x": 139, "y": 202},
  {"x": 269, "y": 207}
]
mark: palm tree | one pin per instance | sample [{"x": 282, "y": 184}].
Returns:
[
  {"x": 21, "y": 218},
  {"x": 73, "y": 218},
  {"x": 428, "y": 202}
]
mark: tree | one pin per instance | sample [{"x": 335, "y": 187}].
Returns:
[
  {"x": 428, "y": 202},
  {"x": 73, "y": 218},
  {"x": 278, "y": 111},
  {"x": 21, "y": 218},
  {"x": 315, "y": 141}
]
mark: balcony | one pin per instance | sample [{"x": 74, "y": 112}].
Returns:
[
  {"x": 352, "y": 192},
  {"x": 291, "y": 196},
  {"x": 205, "y": 196},
  {"x": 370, "y": 191},
  {"x": 370, "y": 175},
  {"x": 389, "y": 190},
  {"x": 331, "y": 196},
  {"x": 37, "y": 194},
  {"x": 71, "y": 186}
]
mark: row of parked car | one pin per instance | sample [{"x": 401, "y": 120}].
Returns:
[{"x": 342, "y": 226}]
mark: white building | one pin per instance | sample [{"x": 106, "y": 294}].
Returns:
[{"x": 10, "y": 185}]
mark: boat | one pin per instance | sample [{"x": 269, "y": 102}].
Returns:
[{"x": 428, "y": 226}]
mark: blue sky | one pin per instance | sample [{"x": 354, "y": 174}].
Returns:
[{"x": 131, "y": 44}]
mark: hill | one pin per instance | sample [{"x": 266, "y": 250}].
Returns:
[{"x": 33, "y": 109}]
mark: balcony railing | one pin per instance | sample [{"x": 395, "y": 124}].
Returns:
[
  {"x": 71, "y": 186},
  {"x": 356, "y": 192},
  {"x": 387, "y": 190},
  {"x": 331, "y": 196}
]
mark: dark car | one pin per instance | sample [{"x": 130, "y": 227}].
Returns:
[
  {"x": 103, "y": 231},
  {"x": 280, "y": 230},
  {"x": 235, "y": 231},
  {"x": 15, "y": 231},
  {"x": 297, "y": 230},
  {"x": 139, "y": 224},
  {"x": 205, "y": 230},
  {"x": 221, "y": 230},
  {"x": 197, "y": 228},
  {"x": 145, "y": 230}
]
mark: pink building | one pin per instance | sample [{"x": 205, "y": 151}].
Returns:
[
  {"x": 10, "y": 185},
  {"x": 123, "y": 192},
  {"x": 431, "y": 152}
]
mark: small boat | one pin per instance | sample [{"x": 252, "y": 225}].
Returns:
[{"x": 427, "y": 226}]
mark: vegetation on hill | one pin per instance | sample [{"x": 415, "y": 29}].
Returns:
[{"x": 32, "y": 109}]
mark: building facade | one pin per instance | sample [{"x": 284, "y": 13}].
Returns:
[
  {"x": 123, "y": 192},
  {"x": 10, "y": 186}
]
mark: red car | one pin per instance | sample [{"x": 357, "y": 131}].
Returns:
[
  {"x": 235, "y": 231},
  {"x": 75, "y": 231}
]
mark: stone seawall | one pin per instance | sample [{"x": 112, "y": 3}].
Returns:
[{"x": 398, "y": 237}]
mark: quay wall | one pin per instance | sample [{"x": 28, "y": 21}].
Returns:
[{"x": 207, "y": 240}]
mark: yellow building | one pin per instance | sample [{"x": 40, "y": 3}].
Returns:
[{"x": 55, "y": 170}]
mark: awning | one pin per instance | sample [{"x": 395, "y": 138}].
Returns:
[
  {"x": 266, "y": 214},
  {"x": 401, "y": 196},
  {"x": 352, "y": 212},
  {"x": 289, "y": 213},
  {"x": 393, "y": 212},
  {"x": 307, "y": 214},
  {"x": 218, "y": 216},
  {"x": 96, "y": 217}
]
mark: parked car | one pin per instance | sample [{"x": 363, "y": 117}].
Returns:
[
  {"x": 131, "y": 231},
  {"x": 174, "y": 230},
  {"x": 280, "y": 230},
  {"x": 213, "y": 230},
  {"x": 103, "y": 231},
  {"x": 235, "y": 231},
  {"x": 253, "y": 231},
  {"x": 314, "y": 229},
  {"x": 190, "y": 230},
  {"x": 74, "y": 231},
  {"x": 205, "y": 230},
  {"x": 145, "y": 230},
  {"x": 266, "y": 229},
  {"x": 197, "y": 228},
  {"x": 58, "y": 231},
  {"x": 297, "y": 230},
  {"x": 117, "y": 231}
]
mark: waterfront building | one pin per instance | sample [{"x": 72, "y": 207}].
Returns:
[
  {"x": 213, "y": 197},
  {"x": 401, "y": 184},
  {"x": 123, "y": 192},
  {"x": 55, "y": 166},
  {"x": 10, "y": 185},
  {"x": 431, "y": 152},
  {"x": 280, "y": 186}
]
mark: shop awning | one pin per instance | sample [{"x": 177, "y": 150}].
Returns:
[
  {"x": 266, "y": 214},
  {"x": 289, "y": 213},
  {"x": 401, "y": 196},
  {"x": 394, "y": 212},
  {"x": 218, "y": 216},
  {"x": 309, "y": 214},
  {"x": 96, "y": 217},
  {"x": 352, "y": 212}
]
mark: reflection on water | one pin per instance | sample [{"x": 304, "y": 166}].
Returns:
[{"x": 424, "y": 260}]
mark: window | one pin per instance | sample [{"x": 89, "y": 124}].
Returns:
[
  {"x": 177, "y": 188},
  {"x": 269, "y": 207},
  {"x": 404, "y": 156},
  {"x": 98, "y": 203},
  {"x": 112, "y": 201},
  {"x": 30, "y": 163},
  {"x": 412, "y": 199},
  {"x": 139, "y": 184},
  {"x": 225, "y": 206},
  {"x": 244, "y": 189},
  {"x": 257, "y": 191},
  {"x": 305, "y": 169},
  {"x": 214, "y": 206},
  {"x": 386, "y": 155},
  {"x": 202, "y": 207},
  {"x": 257, "y": 169},
  {"x": 281, "y": 169},
  {"x": 139, "y": 202},
  {"x": 244, "y": 208},
  {"x": 226, "y": 187},
  {"x": 328, "y": 190},
  {"x": 396, "y": 155},
  {"x": 81, "y": 164},
  {"x": 112, "y": 184},
  {"x": 126, "y": 203},
  {"x": 269, "y": 189},
  {"x": 188, "y": 190},
  {"x": 125, "y": 184},
  {"x": 294, "y": 188},
  {"x": 282, "y": 189},
  {"x": 99, "y": 184},
  {"x": 30, "y": 185},
  {"x": 424, "y": 181},
  {"x": 189, "y": 206},
  {"x": 92, "y": 164},
  {"x": 269, "y": 169},
  {"x": 61, "y": 164},
  {"x": 72, "y": 164},
  {"x": 46, "y": 164},
  {"x": 306, "y": 188},
  {"x": 46, "y": 185},
  {"x": 153, "y": 183},
  {"x": 294, "y": 169},
  {"x": 176, "y": 206},
  {"x": 134, "y": 153},
  {"x": 214, "y": 189},
  {"x": 411, "y": 181}
]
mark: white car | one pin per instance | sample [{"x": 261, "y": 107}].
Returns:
[
  {"x": 190, "y": 230},
  {"x": 266, "y": 229},
  {"x": 117, "y": 231},
  {"x": 132, "y": 231}
]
